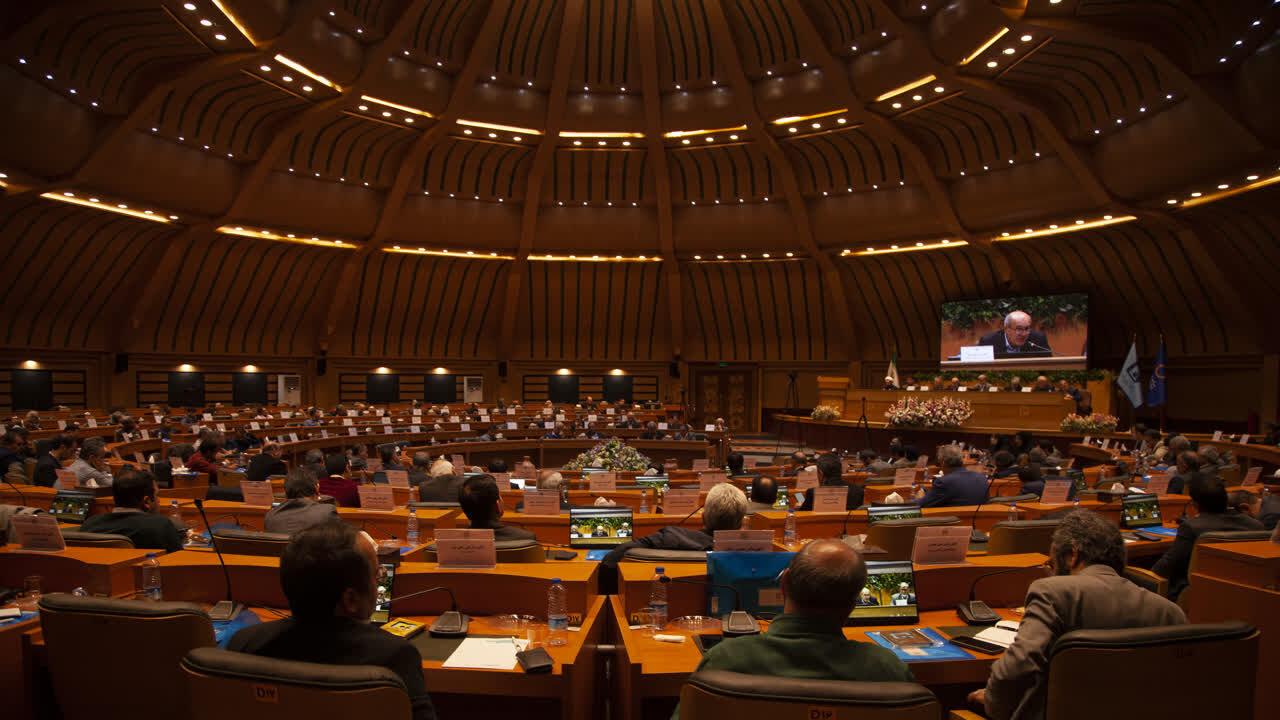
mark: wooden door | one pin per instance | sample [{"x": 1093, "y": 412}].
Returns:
[{"x": 725, "y": 392}]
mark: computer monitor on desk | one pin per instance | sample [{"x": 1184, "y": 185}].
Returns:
[
  {"x": 1140, "y": 511},
  {"x": 889, "y": 597},
  {"x": 653, "y": 482},
  {"x": 71, "y": 506},
  {"x": 876, "y": 513},
  {"x": 599, "y": 527}
]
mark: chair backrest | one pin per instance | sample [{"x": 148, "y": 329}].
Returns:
[
  {"x": 506, "y": 551},
  {"x": 717, "y": 694},
  {"x": 653, "y": 555},
  {"x": 225, "y": 684},
  {"x": 229, "y": 478},
  {"x": 76, "y": 538},
  {"x": 247, "y": 542},
  {"x": 82, "y": 636},
  {"x": 1006, "y": 499},
  {"x": 434, "y": 504},
  {"x": 16, "y": 475},
  {"x": 898, "y": 536},
  {"x": 1230, "y": 474},
  {"x": 1218, "y": 656},
  {"x": 1011, "y": 537}
]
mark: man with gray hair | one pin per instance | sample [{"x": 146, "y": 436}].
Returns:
[
  {"x": 957, "y": 486},
  {"x": 1088, "y": 592},
  {"x": 1017, "y": 337},
  {"x": 723, "y": 510}
]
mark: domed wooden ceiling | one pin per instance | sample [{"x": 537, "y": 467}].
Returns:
[{"x": 311, "y": 154}]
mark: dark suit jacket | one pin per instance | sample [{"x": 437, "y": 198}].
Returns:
[
  {"x": 852, "y": 499},
  {"x": 1177, "y": 559},
  {"x": 297, "y": 514},
  {"x": 962, "y": 487},
  {"x": 340, "y": 641},
  {"x": 997, "y": 340},
  {"x": 263, "y": 466},
  {"x": 147, "y": 531},
  {"x": 47, "y": 468},
  {"x": 506, "y": 532},
  {"x": 439, "y": 489}
]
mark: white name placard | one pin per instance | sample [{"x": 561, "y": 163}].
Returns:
[
  {"x": 257, "y": 493},
  {"x": 977, "y": 353},
  {"x": 830, "y": 499},
  {"x": 465, "y": 548},
  {"x": 806, "y": 479},
  {"x": 710, "y": 479},
  {"x": 679, "y": 502},
  {"x": 603, "y": 481},
  {"x": 936, "y": 545},
  {"x": 743, "y": 541},
  {"x": 398, "y": 478},
  {"x": 1055, "y": 492},
  {"x": 377, "y": 497},
  {"x": 541, "y": 502},
  {"x": 38, "y": 532}
]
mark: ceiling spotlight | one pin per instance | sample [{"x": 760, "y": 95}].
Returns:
[
  {"x": 790, "y": 254},
  {"x": 697, "y": 257},
  {"x": 733, "y": 137},
  {"x": 577, "y": 142},
  {"x": 600, "y": 142},
  {"x": 1009, "y": 51},
  {"x": 1025, "y": 38},
  {"x": 192, "y": 6},
  {"x": 386, "y": 113},
  {"x": 917, "y": 98},
  {"x": 791, "y": 129},
  {"x": 708, "y": 138},
  {"x": 719, "y": 257},
  {"x": 287, "y": 78},
  {"x": 466, "y": 132},
  {"x": 939, "y": 89},
  {"x": 515, "y": 138},
  {"x": 493, "y": 135},
  {"x": 897, "y": 106},
  {"x": 219, "y": 37},
  {"x": 364, "y": 107},
  {"x": 768, "y": 72},
  {"x": 306, "y": 88},
  {"x": 992, "y": 64},
  {"x": 817, "y": 125},
  {"x": 206, "y": 22},
  {"x": 622, "y": 90},
  {"x": 686, "y": 140}
]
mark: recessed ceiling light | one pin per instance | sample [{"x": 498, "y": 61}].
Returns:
[
  {"x": 709, "y": 139},
  {"x": 206, "y": 22},
  {"x": 992, "y": 64},
  {"x": 917, "y": 98},
  {"x": 1026, "y": 38},
  {"x": 1252, "y": 177},
  {"x": 515, "y": 138},
  {"x": 1223, "y": 186},
  {"x": 579, "y": 142},
  {"x": 897, "y": 105},
  {"x": 192, "y": 6},
  {"x": 686, "y": 140},
  {"x": 287, "y": 78},
  {"x": 1009, "y": 51},
  {"x": 306, "y": 88},
  {"x": 220, "y": 37}
]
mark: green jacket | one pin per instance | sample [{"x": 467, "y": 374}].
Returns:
[{"x": 805, "y": 646}]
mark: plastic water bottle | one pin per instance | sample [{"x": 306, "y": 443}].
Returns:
[
  {"x": 152, "y": 588},
  {"x": 413, "y": 493},
  {"x": 1013, "y": 512},
  {"x": 411, "y": 533},
  {"x": 557, "y": 614},
  {"x": 175, "y": 514},
  {"x": 789, "y": 527},
  {"x": 1075, "y": 504},
  {"x": 658, "y": 599},
  {"x": 644, "y": 503}
]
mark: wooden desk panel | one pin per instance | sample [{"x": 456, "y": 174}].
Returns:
[
  {"x": 1219, "y": 600},
  {"x": 100, "y": 571},
  {"x": 1032, "y": 411},
  {"x": 824, "y": 525},
  {"x": 1254, "y": 563}
]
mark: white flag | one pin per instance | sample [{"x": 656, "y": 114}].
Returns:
[{"x": 1130, "y": 380}]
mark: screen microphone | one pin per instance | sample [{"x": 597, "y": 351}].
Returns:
[
  {"x": 691, "y": 514},
  {"x": 21, "y": 498},
  {"x": 976, "y": 612},
  {"x": 228, "y": 609},
  {"x": 449, "y": 624},
  {"x": 1046, "y": 349},
  {"x": 738, "y": 622},
  {"x": 364, "y": 525},
  {"x": 976, "y": 535}
]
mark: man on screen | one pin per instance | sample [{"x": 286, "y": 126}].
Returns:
[{"x": 1016, "y": 337}]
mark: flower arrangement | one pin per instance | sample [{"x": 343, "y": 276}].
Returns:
[
  {"x": 910, "y": 412},
  {"x": 826, "y": 413},
  {"x": 612, "y": 454},
  {"x": 1095, "y": 423}
]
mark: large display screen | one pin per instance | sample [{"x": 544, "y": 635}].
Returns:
[{"x": 1050, "y": 331}]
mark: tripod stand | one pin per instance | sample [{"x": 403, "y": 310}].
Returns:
[
  {"x": 862, "y": 423},
  {"x": 792, "y": 401}
]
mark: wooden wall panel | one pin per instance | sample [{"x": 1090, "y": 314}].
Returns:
[
  {"x": 738, "y": 311},
  {"x": 424, "y": 306},
  {"x": 153, "y": 387},
  {"x": 593, "y": 311}
]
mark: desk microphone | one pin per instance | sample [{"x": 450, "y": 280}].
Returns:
[
  {"x": 364, "y": 525},
  {"x": 21, "y": 497},
  {"x": 976, "y": 612},
  {"x": 976, "y": 535},
  {"x": 228, "y": 609},
  {"x": 686, "y": 517},
  {"x": 738, "y": 622},
  {"x": 1046, "y": 349},
  {"x": 449, "y": 624}
]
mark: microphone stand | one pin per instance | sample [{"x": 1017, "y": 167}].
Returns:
[
  {"x": 364, "y": 524},
  {"x": 21, "y": 497},
  {"x": 449, "y": 624},
  {"x": 976, "y": 535},
  {"x": 976, "y": 612},
  {"x": 738, "y": 622},
  {"x": 228, "y": 609}
]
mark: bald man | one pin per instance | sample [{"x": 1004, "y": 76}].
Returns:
[
  {"x": 807, "y": 640},
  {"x": 1017, "y": 337}
]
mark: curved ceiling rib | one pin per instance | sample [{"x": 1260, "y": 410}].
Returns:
[{"x": 744, "y": 95}]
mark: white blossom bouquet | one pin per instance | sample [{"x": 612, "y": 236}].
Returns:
[
  {"x": 826, "y": 413},
  {"x": 612, "y": 454},
  {"x": 1095, "y": 423},
  {"x": 910, "y": 412}
]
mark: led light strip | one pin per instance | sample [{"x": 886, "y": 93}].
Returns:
[
  {"x": 743, "y": 256},
  {"x": 235, "y": 21},
  {"x": 504, "y": 128},
  {"x": 802, "y": 118},
  {"x": 592, "y": 258},
  {"x": 119, "y": 208},
  {"x": 397, "y": 106},
  {"x": 908, "y": 87},
  {"x": 447, "y": 253},
  {"x": 689, "y": 133},
  {"x": 983, "y": 47},
  {"x": 269, "y": 235},
  {"x": 907, "y": 248},
  {"x": 574, "y": 134},
  {"x": 1211, "y": 197},
  {"x": 1061, "y": 229},
  {"x": 302, "y": 69}
]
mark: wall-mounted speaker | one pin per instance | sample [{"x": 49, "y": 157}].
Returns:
[
  {"x": 674, "y": 369},
  {"x": 322, "y": 366},
  {"x": 502, "y": 368},
  {"x": 122, "y": 362}
]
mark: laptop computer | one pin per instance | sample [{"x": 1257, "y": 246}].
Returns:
[
  {"x": 597, "y": 527},
  {"x": 756, "y": 576},
  {"x": 71, "y": 506},
  {"x": 1140, "y": 511},
  {"x": 876, "y": 513},
  {"x": 889, "y": 597}
]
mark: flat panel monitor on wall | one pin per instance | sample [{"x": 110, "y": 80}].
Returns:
[
  {"x": 617, "y": 387},
  {"x": 32, "y": 389},
  {"x": 1016, "y": 332},
  {"x": 440, "y": 389},
  {"x": 562, "y": 389},
  {"x": 382, "y": 388},
  {"x": 248, "y": 388},
  {"x": 186, "y": 389}
]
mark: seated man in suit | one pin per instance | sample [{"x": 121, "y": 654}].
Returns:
[
  {"x": 329, "y": 574},
  {"x": 391, "y": 458},
  {"x": 764, "y": 493},
  {"x": 889, "y": 384},
  {"x": 337, "y": 482},
  {"x": 482, "y": 505},
  {"x": 1015, "y": 384},
  {"x": 267, "y": 463},
  {"x": 1042, "y": 385},
  {"x": 866, "y": 599},
  {"x": 938, "y": 385},
  {"x": 871, "y": 461},
  {"x": 1187, "y": 463},
  {"x": 724, "y": 509},
  {"x": 1032, "y": 480},
  {"x": 62, "y": 447},
  {"x": 957, "y": 486},
  {"x": 1088, "y": 593},
  {"x": 982, "y": 385},
  {"x": 651, "y": 431},
  {"x": 10, "y": 451},
  {"x": 1209, "y": 495},
  {"x": 830, "y": 471},
  {"x": 1005, "y": 467},
  {"x": 136, "y": 514},
  {"x": 1265, "y": 510},
  {"x": 954, "y": 385},
  {"x": 1017, "y": 337},
  {"x": 819, "y": 590},
  {"x": 794, "y": 464},
  {"x": 735, "y": 463},
  {"x": 419, "y": 470},
  {"x": 300, "y": 509}
]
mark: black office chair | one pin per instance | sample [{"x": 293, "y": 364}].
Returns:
[
  {"x": 652, "y": 555},
  {"x": 506, "y": 551},
  {"x": 1006, "y": 499},
  {"x": 76, "y": 538},
  {"x": 233, "y": 541},
  {"x": 1011, "y": 537},
  {"x": 719, "y": 694},
  {"x": 224, "y": 684}
]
